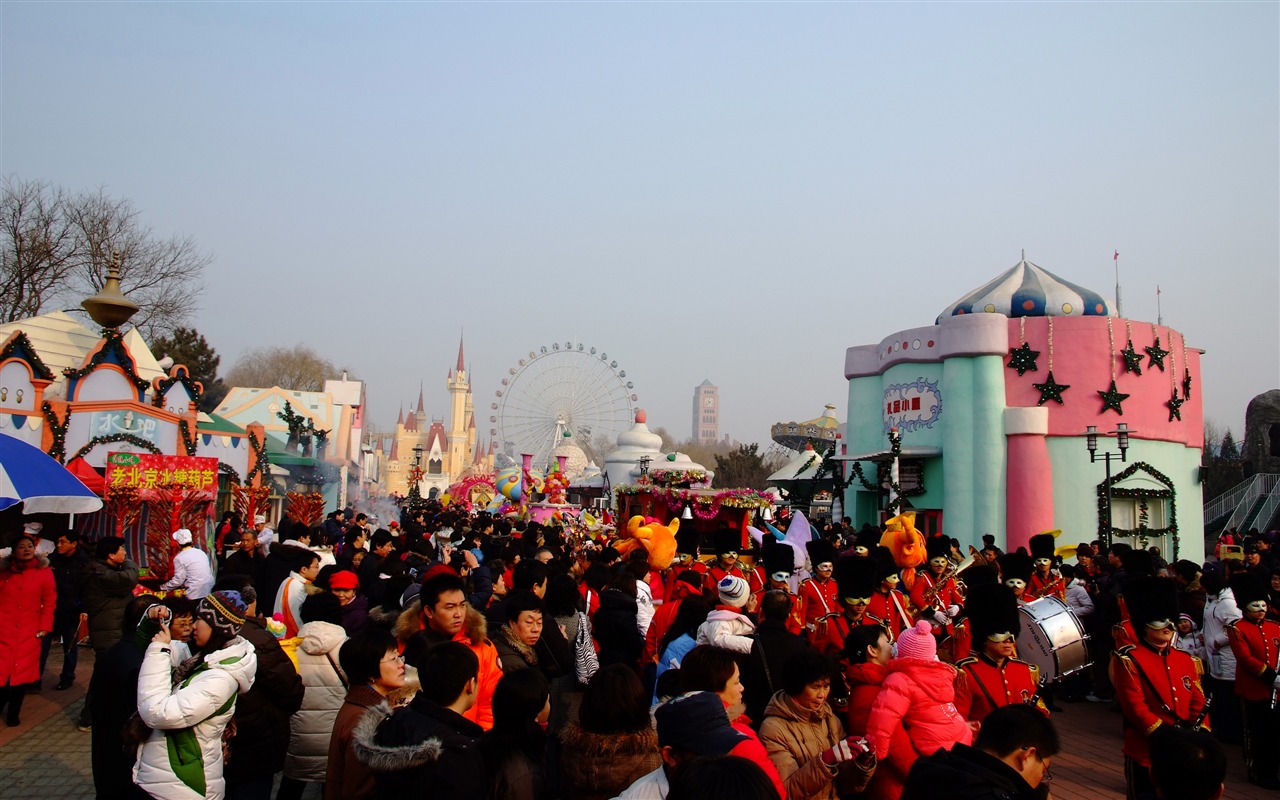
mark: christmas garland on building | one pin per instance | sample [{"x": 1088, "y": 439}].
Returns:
[
  {"x": 112, "y": 342},
  {"x": 20, "y": 347},
  {"x": 1170, "y": 494},
  {"x": 703, "y": 506},
  {"x": 230, "y": 472},
  {"x": 195, "y": 389},
  {"x": 58, "y": 448},
  {"x": 114, "y": 438},
  {"x": 188, "y": 437},
  {"x": 260, "y": 462}
]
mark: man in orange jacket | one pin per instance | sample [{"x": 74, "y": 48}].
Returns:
[{"x": 446, "y": 617}]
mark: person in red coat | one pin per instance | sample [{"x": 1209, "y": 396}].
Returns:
[
  {"x": 1044, "y": 579},
  {"x": 818, "y": 593},
  {"x": 1255, "y": 641},
  {"x": 993, "y": 677},
  {"x": 945, "y": 603},
  {"x": 855, "y": 582},
  {"x": 887, "y": 606},
  {"x": 689, "y": 582},
  {"x": 1156, "y": 684},
  {"x": 727, "y": 542},
  {"x": 868, "y": 652},
  {"x": 28, "y": 596}
]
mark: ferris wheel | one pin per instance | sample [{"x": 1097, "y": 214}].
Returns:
[{"x": 565, "y": 386}]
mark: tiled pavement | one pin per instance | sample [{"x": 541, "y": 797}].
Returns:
[{"x": 47, "y": 757}]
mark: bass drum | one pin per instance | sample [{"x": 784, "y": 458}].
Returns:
[{"x": 1053, "y": 639}]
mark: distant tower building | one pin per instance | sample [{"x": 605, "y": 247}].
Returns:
[{"x": 706, "y": 413}]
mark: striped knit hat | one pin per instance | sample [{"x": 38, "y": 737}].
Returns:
[{"x": 222, "y": 611}]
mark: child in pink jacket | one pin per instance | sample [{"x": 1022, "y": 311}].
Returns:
[{"x": 919, "y": 692}]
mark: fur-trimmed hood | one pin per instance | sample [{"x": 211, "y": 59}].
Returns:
[
  {"x": 410, "y": 622},
  {"x": 935, "y": 678},
  {"x": 42, "y": 562},
  {"x": 389, "y": 758}
]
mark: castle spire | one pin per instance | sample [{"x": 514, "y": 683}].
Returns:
[
  {"x": 400, "y": 416},
  {"x": 461, "y": 362},
  {"x": 421, "y": 408}
]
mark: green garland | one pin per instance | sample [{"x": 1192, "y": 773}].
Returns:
[
  {"x": 189, "y": 438},
  {"x": 1170, "y": 494},
  {"x": 883, "y": 470},
  {"x": 194, "y": 388},
  {"x": 229, "y": 471},
  {"x": 20, "y": 347},
  {"x": 137, "y": 441},
  {"x": 58, "y": 449},
  {"x": 112, "y": 342},
  {"x": 259, "y": 459}
]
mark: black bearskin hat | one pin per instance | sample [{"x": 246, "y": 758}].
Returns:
[
  {"x": 868, "y": 537},
  {"x": 727, "y": 540},
  {"x": 1247, "y": 588},
  {"x": 687, "y": 540},
  {"x": 980, "y": 575},
  {"x": 885, "y": 565},
  {"x": 855, "y": 577},
  {"x": 1138, "y": 563},
  {"x": 1150, "y": 599},
  {"x": 992, "y": 609},
  {"x": 777, "y": 557},
  {"x": 937, "y": 547},
  {"x": 1016, "y": 565},
  {"x": 1042, "y": 545},
  {"x": 820, "y": 552}
]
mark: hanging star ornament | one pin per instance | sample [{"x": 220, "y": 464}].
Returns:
[
  {"x": 1111, "y": 399},
  {"x": 1050, "y": 390},
  {"x": 1186, "y": 384},
  {"x": 1132, "y": 359},
  {"x": 1156, "y": 355},
  {"x": 1023, "y": 359},
  {"x": 1175, "y": 407}
]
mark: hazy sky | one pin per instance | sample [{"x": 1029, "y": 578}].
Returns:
[{"x": 732, "y": 191}]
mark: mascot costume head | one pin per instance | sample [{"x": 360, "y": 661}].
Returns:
[
  {"x": 906, "y": 544},
  {"x": 657, "y": 539}
]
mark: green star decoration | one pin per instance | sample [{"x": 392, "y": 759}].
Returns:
[
  {"x": 1132, "y": 359},
  {"x": 1186, "y": 384},
  {"x": 1156, "y": 355},
  {"x": 1175, "y": 407},
  {"x": 1111, "y": 399},
  {"x": 1050, "y": 390},
  {"x": 1023, "y": 359}
]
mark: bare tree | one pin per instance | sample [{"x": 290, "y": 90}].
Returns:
[
  {"x": 298, "y": 368},
  {"x": 40, "y": 247},
  {"x": 56, "y": 248},
  {"x": 1212, "y": 437}
]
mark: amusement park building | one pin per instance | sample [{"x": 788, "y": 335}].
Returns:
[
  {"x": 992, "y": 402},
  {"x": 448, "y": 450}
]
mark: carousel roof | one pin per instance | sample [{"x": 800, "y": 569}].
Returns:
[
  {"x": 801, "y": 468},
  {"x": 1028, "y": 290},
  {"x": 797, "y": 435}
]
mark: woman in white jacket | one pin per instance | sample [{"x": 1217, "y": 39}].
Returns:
[
  {"x": 1221, "y": 611},
  {"x": 319, "y": 643},
  {"x": 186, "y": 696}
]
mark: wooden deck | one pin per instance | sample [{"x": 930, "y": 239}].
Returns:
[{"x": 1091, "y": 766}]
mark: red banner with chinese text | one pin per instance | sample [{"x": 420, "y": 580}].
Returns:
[{"x": 150, "y": 473}]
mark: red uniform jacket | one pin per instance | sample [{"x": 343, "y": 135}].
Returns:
[
  {"x": 716, "y": 573},
  {"x": 882, "y": 610},
  {"x": 1256, "y": 646},
  {"x": 947, "y": 596},
  {"x": 991, "y": 685},
  {"x": 1170, "y": 693},
  {"x": 795, "y": 620},
  {"x": 829, "y": 639},
  {"x": 1037, "y": 585},
  {"x": 820, "y": 599}
]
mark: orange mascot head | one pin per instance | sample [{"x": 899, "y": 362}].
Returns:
[
  {"x": 657, "y": 539},
  {"x": 906, "y": 544}
]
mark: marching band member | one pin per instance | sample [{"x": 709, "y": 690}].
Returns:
[
  {"x": 934, "y": 591},
  {"x": 780, "y": 566},
  {"x": 855, "y": 580},
  {"x": 727, "y": 542},
  {"x": 686, "y": 557},
  {"x": 888, "y": 606},
  {"x": 1255, "y": 641},
  {"x": 1015, "y": 572},
  {"x": 960, "y": 643},
  {"x": 818, "y": 592},
  {"x": 1044, "y": 580},
  {"x": 994, "y": 677},
  {"x": 1156, "y": 684}
]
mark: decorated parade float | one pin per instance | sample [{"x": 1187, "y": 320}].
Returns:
[{"x": 1029, "y": 405}]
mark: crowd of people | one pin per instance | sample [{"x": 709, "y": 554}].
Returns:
[{"x": 455, "y": 655}]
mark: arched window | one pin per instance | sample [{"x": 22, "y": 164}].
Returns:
[{"x": 1273, "y": 435}]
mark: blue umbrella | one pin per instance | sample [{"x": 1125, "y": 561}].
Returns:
[{"x": 30, "y": 476}]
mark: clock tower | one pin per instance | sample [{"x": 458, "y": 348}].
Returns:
[{"x": 706, "y": 413}]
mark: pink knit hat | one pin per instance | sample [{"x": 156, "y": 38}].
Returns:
[{"x": 918, "y": 642}]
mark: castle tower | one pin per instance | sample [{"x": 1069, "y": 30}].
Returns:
[{"x": 460, "y": 435}]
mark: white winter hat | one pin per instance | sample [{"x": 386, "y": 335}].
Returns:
[
  {"x": 734, "y": 591},
  {"x": 182, "y": 536}
]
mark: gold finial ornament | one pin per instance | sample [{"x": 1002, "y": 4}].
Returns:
[{"x": 109, "y": 307}]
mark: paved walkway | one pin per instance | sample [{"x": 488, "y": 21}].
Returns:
[{"x": 47, "y": 757}]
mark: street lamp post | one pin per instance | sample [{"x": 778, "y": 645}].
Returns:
[{"x": 1121, "y": 433}]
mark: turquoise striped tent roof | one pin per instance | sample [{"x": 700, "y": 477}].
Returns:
[{"x": 1028, "y": 290}]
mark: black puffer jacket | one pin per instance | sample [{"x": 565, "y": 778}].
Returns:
[
  {"x": 614, "y": 626},
  {"x": 966, "y": 773},
  {"x": 108, "y": 590},
  {"x": 262, "y": 713},
  {"x": 71, "y": 573},
  {"x": 421, "y": 751}
]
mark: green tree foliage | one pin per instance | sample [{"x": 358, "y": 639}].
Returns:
[
  {"x": 188, "y": 347},
  {"x": 742, "y": 468}
]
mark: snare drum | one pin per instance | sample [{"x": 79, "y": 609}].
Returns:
[{"x": 1053, "y": 639}]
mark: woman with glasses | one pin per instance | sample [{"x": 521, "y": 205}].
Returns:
[{"x": 374, "y": 669}]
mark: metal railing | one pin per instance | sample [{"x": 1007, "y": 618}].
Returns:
[
  {"x": 1227, "y": 502},
  {"x": 1265, "y": 484},
  {"x": 1268, "y": 510}
]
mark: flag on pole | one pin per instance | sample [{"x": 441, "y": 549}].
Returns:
[{"x": 1116, "y": 257}]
